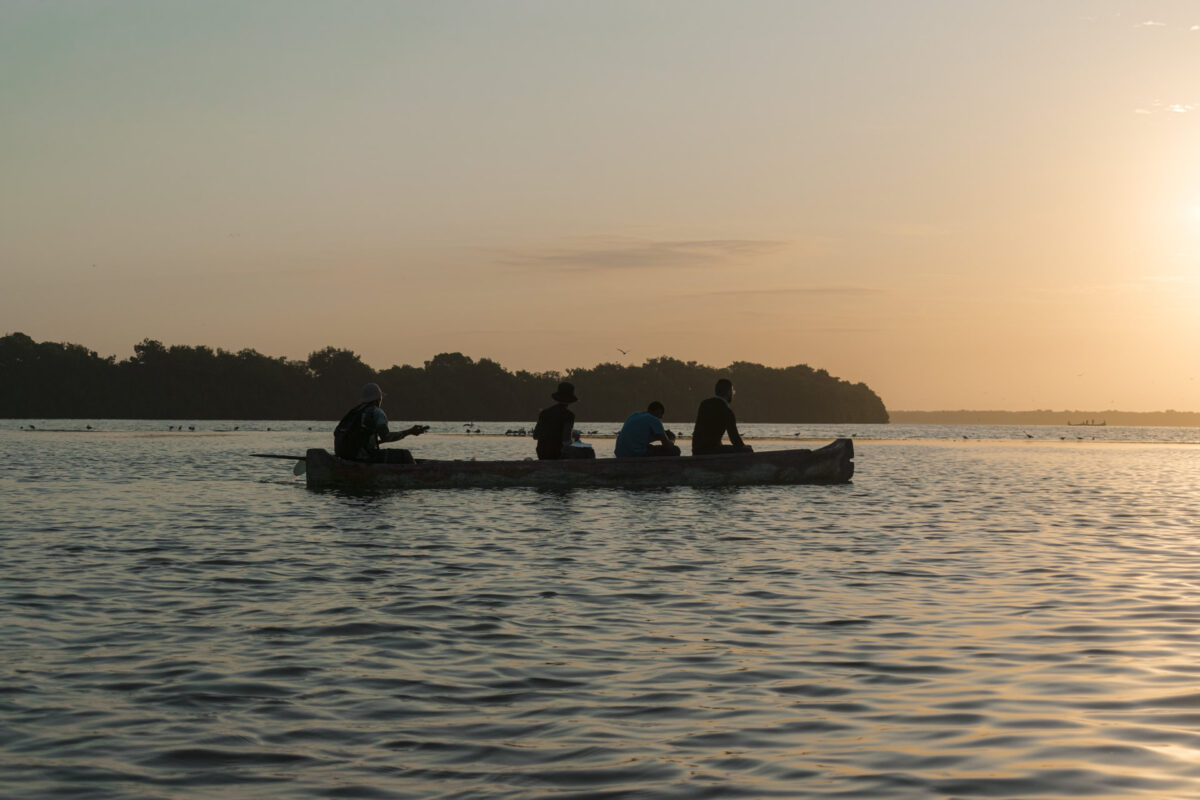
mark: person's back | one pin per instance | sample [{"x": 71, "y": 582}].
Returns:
[
  {"x": 351, "y": 435},
  {"x": 715, "y": 419},
  {"x": 548, "y": 433},
  {"x": 643, "y": 435},
  {"x": 555, "y": 423},
  {"x": 635, "y": 434}
]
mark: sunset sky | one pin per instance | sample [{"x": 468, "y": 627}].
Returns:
[{"x": 962, "y": 204}]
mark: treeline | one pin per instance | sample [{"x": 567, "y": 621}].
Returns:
[
  {"x": 49, "y": 380},
  {"x": 1169, "y": 418}
]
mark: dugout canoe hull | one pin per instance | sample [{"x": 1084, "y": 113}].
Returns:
[{"x": 830, "y": 464}]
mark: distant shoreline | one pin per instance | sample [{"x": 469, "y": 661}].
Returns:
[
  {"x": 1165, "y": 419},
  {"x": 1134, "y": 419}
]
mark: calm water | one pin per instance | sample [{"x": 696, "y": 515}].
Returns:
[{"x": 996, "y": 616}]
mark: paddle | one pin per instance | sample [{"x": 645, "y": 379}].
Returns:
[{"x": 300, "y": 467}]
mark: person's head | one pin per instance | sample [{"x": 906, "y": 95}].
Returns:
[
  {"x": 371, "y": 393},
  {"x": 657, "y": 409},
  {"x": 565, "y": 393},
  {"x": 576, "y": 435},
  {"x": 724, "y": 388}
]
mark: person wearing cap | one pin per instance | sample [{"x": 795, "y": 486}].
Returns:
[
  {"x": 643, "y": 435},
  {"x": 554, "y": 424},
  {"x": 365, "y": 427},
  {"x": 714, "y": 419}
]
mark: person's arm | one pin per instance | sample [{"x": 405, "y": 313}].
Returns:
[
  {"x": 384, "y": 434},
  {"x": 735, "y": 438},
  {"x": 660, "y": 434},
  {"x": 415, "y": 430}
]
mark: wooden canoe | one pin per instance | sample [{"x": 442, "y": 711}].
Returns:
[{"x": 829, "y": 464}]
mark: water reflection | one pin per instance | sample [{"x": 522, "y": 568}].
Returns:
[{"x": 1008, "y": 619}]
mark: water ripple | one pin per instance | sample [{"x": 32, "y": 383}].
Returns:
[{"x": 1003, "y": 621}]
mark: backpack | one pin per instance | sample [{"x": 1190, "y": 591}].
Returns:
[{"x": 349, "y": 437}]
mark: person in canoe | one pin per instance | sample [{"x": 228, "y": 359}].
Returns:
[
  {"x": 364, "y": 427},
  {"x": 577, "y": 448},
  {"x": 715, "y": 419},
  {"x": 643, "y": 435},
  {"x": 555, "y": 423}
]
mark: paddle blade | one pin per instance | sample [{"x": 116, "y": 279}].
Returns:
[{"x": 300, "y": 468}]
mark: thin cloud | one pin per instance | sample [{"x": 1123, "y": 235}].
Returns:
[
  {"x": 618, "y": 253},
  {"x": 1146, "y": 283},
  {"x": 913, "y": 230},
  {"x": 506, "y": 331},
  {"x": 1171, "y": 280},
  {"x": 1169, "y": 108},
  {"x": 827, "y": 329},
  {"x": 815, "y": 291},
  {"x": 1151, "y": 24}
]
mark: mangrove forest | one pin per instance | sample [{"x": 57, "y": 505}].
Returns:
[{"x": 50, "y": 380}]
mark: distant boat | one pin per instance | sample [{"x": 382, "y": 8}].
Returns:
[
  {"x": 830, "y": 464},
  {"x": 1089, "y": 423}
]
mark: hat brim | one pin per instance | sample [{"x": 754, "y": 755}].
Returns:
[{"x": 564, "y": 398}]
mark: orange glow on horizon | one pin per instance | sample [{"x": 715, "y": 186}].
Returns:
[{"x": 540, "y": 184}]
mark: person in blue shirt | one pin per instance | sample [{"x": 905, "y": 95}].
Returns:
[{"x": 643, "y": 435}]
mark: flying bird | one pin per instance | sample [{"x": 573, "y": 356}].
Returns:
[{"x": 622, "y": 352}]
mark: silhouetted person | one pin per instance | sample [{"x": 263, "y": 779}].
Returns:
[
  {"x": 577, "y": 448},
  {"x": 554, "y": 424},
  {"x": 643, "y": 435},
  {"x": 365, "y": 427},
  {"x": 715, "y": 419}
]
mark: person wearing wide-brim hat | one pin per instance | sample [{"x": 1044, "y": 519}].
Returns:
[
  {"x": 365, "y": 427},
  {"x": 554, "y": 424}
]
